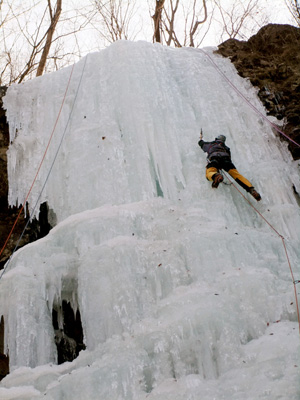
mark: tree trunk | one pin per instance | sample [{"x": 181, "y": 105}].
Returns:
[
  {"x": 51, "y": 30},
  {"x": 157, "y": 20}
]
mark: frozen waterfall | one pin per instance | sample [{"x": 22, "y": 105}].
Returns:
[{"x": 184, "y": 292}]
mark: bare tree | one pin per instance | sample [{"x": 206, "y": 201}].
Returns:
[
  {"x": 169, "y": 24},
  {"x": 9, "y": 39},
  {"x": 35, "y": 39},
  {"x": 188, "y": 16},
  {"x": 235, "y": 18},
  {"x": 195, "y": 22},
  {"x": 40, "y": 42},
  {"x": 159, "y": 5},
  {"x": 116, "y": 16},
  {"x": 54, "y": 17},
  {"x": 294, "y": 8}
]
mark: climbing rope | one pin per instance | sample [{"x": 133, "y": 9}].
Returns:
[
  {"x": 283, "y": 243},
  {"x": 40, "y": 165},
  {"x": 245, "y": 99},
  {"x": 287, "y": 137}
]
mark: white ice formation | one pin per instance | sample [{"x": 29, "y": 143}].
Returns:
[{"x": 184, "y": 292}]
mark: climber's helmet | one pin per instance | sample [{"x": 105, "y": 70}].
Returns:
[{"x": 222, "y": 138}]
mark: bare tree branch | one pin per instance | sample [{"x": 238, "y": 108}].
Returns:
[
  {"x": 197, "y": 23},
  {"x": 186, "y": 14},
  {"x": 294, "y": 8},
  {"x": 116, "y": 16},
  {"x": 26, "y": 34},
  {"x": 170, "y": 26},
  {"x": 236, "y": 16}
]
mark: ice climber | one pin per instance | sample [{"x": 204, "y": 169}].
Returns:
[{"x": 219, "y": 157}]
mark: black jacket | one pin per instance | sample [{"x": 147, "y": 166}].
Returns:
[{"x": 215, "y": 149}]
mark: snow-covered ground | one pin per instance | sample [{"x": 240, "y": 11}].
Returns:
[{"x": 185, "y": 292}]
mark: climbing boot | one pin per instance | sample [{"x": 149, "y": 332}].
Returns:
[
  {"x": 255, "y": 194},
  {"x": 218, "y": 178}
]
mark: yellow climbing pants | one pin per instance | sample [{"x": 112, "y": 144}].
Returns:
[{"x": 240, "y": 179}]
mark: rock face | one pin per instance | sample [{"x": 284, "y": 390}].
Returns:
[{"x": 271, "y": 60}]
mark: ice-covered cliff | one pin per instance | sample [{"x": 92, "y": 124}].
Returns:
[{"x": 184, "y": 292}]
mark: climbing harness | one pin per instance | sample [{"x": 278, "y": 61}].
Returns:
[
  {"x": 283, "y": 243},
  {"x": 245, "y": 99},
  {"x": 40, "y": 165},
  {"x": 224, "y": 182}
]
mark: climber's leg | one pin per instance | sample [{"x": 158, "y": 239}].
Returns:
[
  {"x": 210, "y": 172},
  {"x": 240, "y": 179}
]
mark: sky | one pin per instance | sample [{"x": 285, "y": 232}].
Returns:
[
  {"x": 16, "y": 47},
  {"x": 275, "y": 10}
]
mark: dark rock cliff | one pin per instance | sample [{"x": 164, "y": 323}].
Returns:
[{"x": 271, "y": 60}]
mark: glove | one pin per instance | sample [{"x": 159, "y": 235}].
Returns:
[{"x": 201, "y": 134}]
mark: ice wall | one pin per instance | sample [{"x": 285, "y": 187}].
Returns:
[
  {"x": 131, "y": 130},
  {"x": 184, "y": 292}
]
